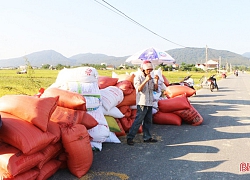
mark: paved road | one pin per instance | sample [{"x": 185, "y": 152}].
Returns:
[{"x": 211, "y": 151}]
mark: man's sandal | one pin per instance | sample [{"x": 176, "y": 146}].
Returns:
[{"x": 130, "y": 142}]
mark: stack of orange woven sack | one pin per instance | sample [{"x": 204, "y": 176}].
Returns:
[
  {"x": 41, "y": 135},
  {"x": 176, "y": 110}
]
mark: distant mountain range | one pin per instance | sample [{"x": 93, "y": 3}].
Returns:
[
  {"x": 182, "y": 55},
  {"x": 198, "y": 55}
]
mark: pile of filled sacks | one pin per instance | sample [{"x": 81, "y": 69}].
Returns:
[
  {"x": 85, "y": 82},
  {"x": 39, "y": 135},
  {"x": 62, "y": 125},
  {"x": 171, "y": 104}
]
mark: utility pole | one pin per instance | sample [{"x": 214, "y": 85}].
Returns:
[
  {"x": 206, "y": 58},
  {"x": 219, "y": 63},
  {"x": 206, "y": 61}
]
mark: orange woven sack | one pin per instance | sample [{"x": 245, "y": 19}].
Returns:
[
  {"x": 166, "y": 118},
  {"x": 133, "y": 113},
  {"x": 53, "y": 128},
  {"x": 89, "y": 121},
  {"x": 48, "y": 169},
  {"x": 129, "y": 77},
  {"x": 173, "y": 104},
  {"x": 67, "y": 99},
  {"x": 105, "y": 81},
  {"x": 76, "y": 142},
  {"x": 29, "y": 108},
  {"x": 49, "y": 153},
  {"x": 122, "y": 133},
  {"x": 126, "y": 86},
  {"x": 128, "y": 100},
  {"x": 126, "y": 111},
  {"x": 63, "y": 158},
  {"x": 176, "y": 90},
  {"x": 15, "y": 162},
  {"x": 28, "y": 175},
  {"x": 23, "y": 135},
  {"x": 190, "y": 116},
  {"x": 166, "y": 82},
  {"x": 66, "y": 115},
  {"x": 127, "y": 123}
]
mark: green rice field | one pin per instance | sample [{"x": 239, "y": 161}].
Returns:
[{"x": 30, "y": 83}]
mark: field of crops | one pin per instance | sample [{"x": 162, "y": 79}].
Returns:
[{"x": 30, "y": 83}]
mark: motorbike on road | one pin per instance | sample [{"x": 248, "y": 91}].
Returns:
[
  {"x": 236, "y": 73},
  {"x": 187, "y": 81},
  {"x": 211, "y": 83},
  {"x": 224, "y": 75}
]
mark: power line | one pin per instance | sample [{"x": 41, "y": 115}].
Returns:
[
  {"x": 112, "y": 10},
  {"x": 117, "y": 11}
]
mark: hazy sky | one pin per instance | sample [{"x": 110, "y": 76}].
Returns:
[{"x": 72, "y": 27}]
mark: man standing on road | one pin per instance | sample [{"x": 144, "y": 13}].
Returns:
[{"x": 144, "y": 85}]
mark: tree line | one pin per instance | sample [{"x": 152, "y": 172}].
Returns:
[{"x": 182, "y": 67}]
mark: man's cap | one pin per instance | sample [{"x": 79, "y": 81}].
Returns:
[{"x": 147, "y": 65}]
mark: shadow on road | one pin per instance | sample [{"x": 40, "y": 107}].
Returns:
[
  {"x": 175, "y": 154},
  {"x": 213, "y": 150}
]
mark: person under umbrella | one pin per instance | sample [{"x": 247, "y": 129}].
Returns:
[{"x": 144, "y": 85}]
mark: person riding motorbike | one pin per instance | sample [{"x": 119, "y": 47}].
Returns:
[
  {"x": 236, "y": 72},
  {"x": 213, "y": 79},
  {"x": 224, "y": 75}
]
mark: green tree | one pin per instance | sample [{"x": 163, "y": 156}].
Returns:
[
  {"x": 45, "y": 66},
  {"x": 186, "y": 67},
  {"x": 60, "y": 66},
  {"x": 165, "y": 67}
]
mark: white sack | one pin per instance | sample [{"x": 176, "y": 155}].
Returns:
[
  {"x": 99, "y": 133},
  {"x": 96, "y": 145},
  {"x": 154, "y": 111},
  {"x": 113, "y": 138},
  {"x": 159, "y": 73},
  {"x": 83, "y": 88},
  {"x": 163, "y": 87},
  {"x": 133, "y": 107},
  {"x": 114, "y": 112},
  {"x": 99, "y": 117},
  {"x": 81, "y": 74},
  {"x": 111, "y": 96},
  {"x": 92, "y": 103}
]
